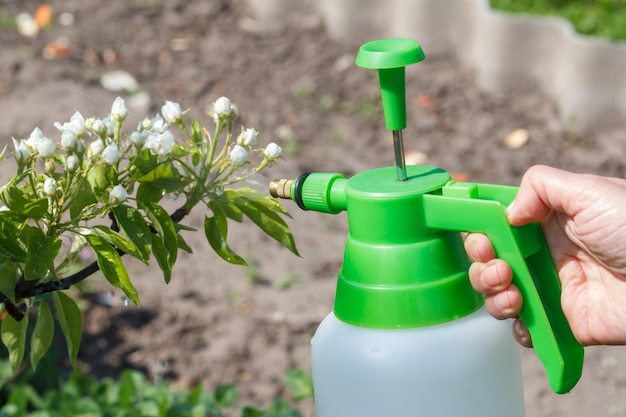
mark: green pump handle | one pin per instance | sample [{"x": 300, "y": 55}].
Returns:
[{"x": 470, "y": 207}]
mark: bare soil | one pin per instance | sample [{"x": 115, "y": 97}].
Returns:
[{"x": 217, "y": 323}]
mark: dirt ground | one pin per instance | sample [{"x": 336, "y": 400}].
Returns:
[{"x": 219, "y": 323}]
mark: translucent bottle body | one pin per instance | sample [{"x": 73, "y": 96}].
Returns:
[{"x": 469, "y": 367}]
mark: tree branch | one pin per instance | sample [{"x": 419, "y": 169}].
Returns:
[{"x": 26, "y": 289}]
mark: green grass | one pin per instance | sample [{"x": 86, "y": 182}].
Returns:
[{"x": 600, "y": 18}]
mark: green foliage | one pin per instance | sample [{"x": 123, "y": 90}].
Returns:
[
  {"x": 64, "y": 187},
  {"x": 131, "y": 395},
  {"x": 601, "y": 18}
]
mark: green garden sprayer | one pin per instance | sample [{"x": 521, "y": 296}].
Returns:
[{"x": 408, "y": 335}]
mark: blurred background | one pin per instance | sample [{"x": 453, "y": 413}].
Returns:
[{"x": 504, "y": 86}]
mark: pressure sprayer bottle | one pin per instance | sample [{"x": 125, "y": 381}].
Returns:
[{"x": 408, "y": 335}]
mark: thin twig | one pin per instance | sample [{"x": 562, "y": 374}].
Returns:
[{"x": 27, "y": 288}]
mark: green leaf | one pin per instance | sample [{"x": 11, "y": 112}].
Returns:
[
  {"x": 251, "y": 412},
  {"x": 145, "y": 162},
  {"x": 216, "y": 231},
  {"x": 132, "y": 223},
  {"x": 6, "y": 372},
  {"x": 16, "y": 200},
  {"x": 117, "y": 240},
  {"x": 71, "y": 322},
  {"x": 226, "y": 395},
  {"x": 41, "y": 253},
  {"x": 8, "y": 279},
  {"x": 268, "y": 220},
  {"x": 83, "y": 196},
  {"x": 196, "y": 132},
  {"x": 99, "y": 179},
  {"x": 11, "y": 226},
  {"x": 280, "y": 408},
  {"x": 161, "y": 255},
  {"x": 299, "y": 383},
  {"x": 182, "y": 244},
  {"x": 149, "y": 193},
  {"x": 165, "y": 176},
  {"x": 41, "y": 339},
  {"x": 112, "y": 267},
  {"x": 14, "y": 338},
  {"x": 164, "y": 226}
]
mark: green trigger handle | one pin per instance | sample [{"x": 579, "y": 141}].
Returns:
[{"x": 470, "y": 207}]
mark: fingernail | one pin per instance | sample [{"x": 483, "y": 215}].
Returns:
[{"x": 521, "y": 333}]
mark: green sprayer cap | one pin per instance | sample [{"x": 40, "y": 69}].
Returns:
[{"x": 389, "y": 57}]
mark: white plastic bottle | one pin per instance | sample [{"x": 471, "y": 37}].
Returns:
[{"x": 468, "y": 367}]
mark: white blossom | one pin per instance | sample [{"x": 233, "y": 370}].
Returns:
[
  {"x": 68, "y": 140},
  {"x": 158, "y": 124},
  {"x": 238, "y": 155},
  {"x": 71, "y": 163},
  {"x": 222, "y": 106},
  {"x": 109, "y": 127},
  {"x": 95, "y": 149},
  {"x": 96, "y": 125},
  {"x": 49, "y": 186},
  {"x": 224, "y": 109},
  {"x": 119, "y": 111},
  {"x": 171, "y": 111},
  {"x": 46, "y": 147},
  {"x": 160, "y": 143},
  {"x": 111, "y": 154},
  {"x": 77, "y": 124},
  {"x": 117, "y": 195},
  {"x": 272, "y": 151},
  {"x": 33, "y": 140},
  {"x": 248, "y": 137},
  {"x": 138, "y": 139},
  {"x": 22, "y": 154}
]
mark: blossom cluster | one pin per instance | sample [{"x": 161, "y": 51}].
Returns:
[{"x": 88, "y": 142}]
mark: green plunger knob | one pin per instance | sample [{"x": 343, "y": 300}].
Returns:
[{"x": 389, "y": 57}]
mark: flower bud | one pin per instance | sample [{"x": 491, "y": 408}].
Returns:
[
  {"x": 171, "y": 111},
  {"x": 95, "y": 149},
  {"x": 119, "y": 111},
  {"x": 223, "y": 109},
  {"x": 33, "y": 140},
  {"x": 117, "y": 195},
  {"x": 71, "y": 163},
  {"x": 22, "y": 154},
  {"x": 111, "y": 154},
  {"x": 80, "y": 147},
  {"x": 68, "y": 140},
  {"x": 98, "y": 126},
  {"x": 238, "y": 155},
  {"x": 248, "y": 137},
  {"x": 138, "y": 139},
  {"x": 272, "y": 151},
  {"x": 46, "y": 148},
  {"x": 49, "y": 186},
  {"x": 77, "y": 124}
]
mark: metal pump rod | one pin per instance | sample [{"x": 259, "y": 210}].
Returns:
[{"x": 398, "y": 148}]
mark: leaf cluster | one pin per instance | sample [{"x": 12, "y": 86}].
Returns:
[{"x": 64, "y": 192}]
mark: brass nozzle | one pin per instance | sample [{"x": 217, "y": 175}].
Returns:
[{"x": 281, "y": 188}]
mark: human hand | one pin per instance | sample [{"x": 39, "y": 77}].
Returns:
[{"x": 584, "y": 221}]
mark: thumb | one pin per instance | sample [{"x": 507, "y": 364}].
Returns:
[{"x": 543, "y": 189}]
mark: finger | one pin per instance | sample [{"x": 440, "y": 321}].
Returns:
[
  {"x": 521, "y": 333},
  {"x": 544, "y": 189},
  {"x": 505, "y": 304},
  {"x": 479, "y": 248},
  {"x": 490, "y": 277}
]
